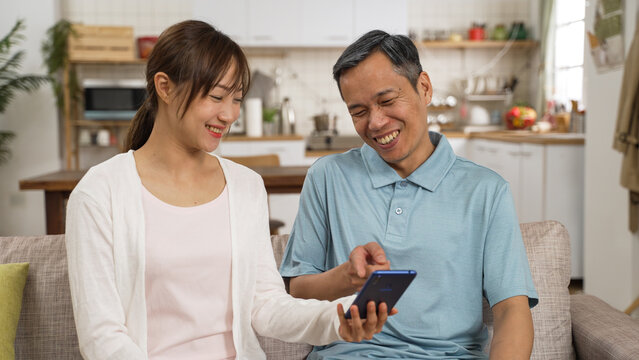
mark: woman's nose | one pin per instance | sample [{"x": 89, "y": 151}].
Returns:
[{"x": 229, "y": 112}]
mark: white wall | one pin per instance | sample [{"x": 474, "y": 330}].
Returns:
[
  {"x": 611, "y": 252},
  {"x": 32, "y": 117}
]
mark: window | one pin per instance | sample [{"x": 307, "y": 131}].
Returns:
[{"x": 568, "y": 51}]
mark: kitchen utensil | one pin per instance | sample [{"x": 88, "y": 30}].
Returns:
[
  {"x": 253, "y": 117},
  {"x": 478, "y": 115},
  {"x": 476, "y": 32},
  {"x": 324, "y": 123}
]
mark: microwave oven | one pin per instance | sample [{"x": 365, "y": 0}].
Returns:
[{"x": 112, "y": 99}]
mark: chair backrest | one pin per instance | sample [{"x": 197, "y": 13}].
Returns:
[{"x": 267, "y": 160}]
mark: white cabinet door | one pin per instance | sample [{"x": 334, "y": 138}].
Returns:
[
  {"x": 228, "y": 16},
  {"x": 531, "y": 183},
  {"x": 459, "y": 146},
  {"x": 274, "y": 22},
  {"x": 290, "y": 152},
  {"x": 565, "y": 196},
  {"x": 327, "y": 22},
  {"x": 502, "y": 158},
  {"x": 390, "y": 16}
]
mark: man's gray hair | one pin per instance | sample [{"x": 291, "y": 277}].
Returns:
[{"x": 398, "y": 48}]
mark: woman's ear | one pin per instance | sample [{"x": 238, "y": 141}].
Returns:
[
  {"x": 425, "y": 87},
  {"x": 163, "y": 87}
]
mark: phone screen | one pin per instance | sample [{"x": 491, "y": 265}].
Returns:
[{"x": 382, "y": 286}]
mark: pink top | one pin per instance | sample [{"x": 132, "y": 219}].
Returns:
[{"x": 188, "y": 279}]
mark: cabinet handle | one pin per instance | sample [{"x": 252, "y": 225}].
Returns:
[
  {"x": 514, "y": 153},
  {"x": 525, "y": 153},
  {"x": 492, "y": 151}
]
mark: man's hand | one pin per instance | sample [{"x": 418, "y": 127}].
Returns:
[
  {"x": 344, "y": 279},
  {"x": 362, "y": 261},
  {"x": 356, "y": 329}
]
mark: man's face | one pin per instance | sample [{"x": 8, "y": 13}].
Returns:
[{"x": 388, "y": 113}]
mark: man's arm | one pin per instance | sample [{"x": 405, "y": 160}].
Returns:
[
  {"x": 513, "y": 335},
  {"x": 344, "y": 279}
]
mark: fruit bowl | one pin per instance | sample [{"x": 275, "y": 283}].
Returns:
[{"x": 520, "y": 117}]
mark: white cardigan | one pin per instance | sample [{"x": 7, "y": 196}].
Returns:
[{"x": 105, "y": 241}]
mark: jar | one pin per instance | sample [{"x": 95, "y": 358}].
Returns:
[{"x": 500, "y": 33}]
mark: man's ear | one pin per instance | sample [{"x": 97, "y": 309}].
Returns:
[
  {"x": 425, "y": 87},
  {"x": 163, "y": 87}
]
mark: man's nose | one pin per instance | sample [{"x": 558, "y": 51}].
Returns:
[{"x": 378, "y": 119}]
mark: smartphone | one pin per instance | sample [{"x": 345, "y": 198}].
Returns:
[{"x": 382, "y": 286}]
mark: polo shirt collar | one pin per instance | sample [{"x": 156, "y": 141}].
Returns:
[{"x": 428, "y": 175}]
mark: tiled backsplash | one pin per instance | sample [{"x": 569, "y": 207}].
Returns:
[{"x": 306, "y": 75}]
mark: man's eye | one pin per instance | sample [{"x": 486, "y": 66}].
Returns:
[
  {"x": 238, "y": 100},
  {"x": 387, "y": 102},
  {"x": 358, "y": 114},
  {"x": 217, "y": 98}
]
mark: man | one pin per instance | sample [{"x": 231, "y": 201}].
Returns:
[{"x": 404, "y": 199}]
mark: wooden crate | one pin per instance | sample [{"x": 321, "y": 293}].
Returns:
[{"x": 100, "y": 43}]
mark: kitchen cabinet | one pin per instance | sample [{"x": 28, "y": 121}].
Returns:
[
  {"x": 290, "y": 149},
  {"x": 229, "y": 16},
  {"x": 390, "y": 16},
  {"x": 546, "y": 181},
  {"x": 301, "y": 23}
]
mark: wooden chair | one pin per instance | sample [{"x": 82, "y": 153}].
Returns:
[{"x": 267, "y": 160}]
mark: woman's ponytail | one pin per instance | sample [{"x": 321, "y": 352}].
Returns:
[{"x": 142, "y": 124}]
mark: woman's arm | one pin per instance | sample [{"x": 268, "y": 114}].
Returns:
[{"x": 99, "y": 316}]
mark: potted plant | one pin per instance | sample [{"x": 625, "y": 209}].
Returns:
[
  {"x": 11, "y": 81},
  {"x": 56, "y": 55}
]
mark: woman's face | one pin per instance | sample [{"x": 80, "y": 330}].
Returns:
[{"x": 210, "y": 116}]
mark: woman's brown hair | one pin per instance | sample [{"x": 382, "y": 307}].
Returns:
[{"x": 195, "y": 56}]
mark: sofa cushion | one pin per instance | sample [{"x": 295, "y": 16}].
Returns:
[
  {"x": 548, "y": 248},
  {"x": 46, "y": 329},
  {"x": 12, "y": 280}
]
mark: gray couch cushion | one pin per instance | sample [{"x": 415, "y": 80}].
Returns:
[{"x": 46, "y": 329}]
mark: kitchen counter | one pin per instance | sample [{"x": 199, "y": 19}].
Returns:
[
  {"x": 263, "y": 138},
  {"x": 531, "y": 138}
]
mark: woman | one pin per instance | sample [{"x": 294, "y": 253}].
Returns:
[{"x": 168, "y": 246}]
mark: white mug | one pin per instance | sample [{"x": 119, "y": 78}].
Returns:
[{"x": 103, "y": 137}]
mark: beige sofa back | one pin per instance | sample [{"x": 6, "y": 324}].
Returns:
[{"x": 46, "y": 329}]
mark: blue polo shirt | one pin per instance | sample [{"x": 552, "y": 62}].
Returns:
[{"x": 451, "y": 220}]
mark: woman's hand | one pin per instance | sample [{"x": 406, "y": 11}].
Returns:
[{"x": 356, "y": 329}]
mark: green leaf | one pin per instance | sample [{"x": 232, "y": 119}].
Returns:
[{"x": 5, "y": 152}]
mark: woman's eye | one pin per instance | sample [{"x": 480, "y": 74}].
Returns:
[
  {"x": 238, "y": 100},
  {"x": 216, "y": 98}
]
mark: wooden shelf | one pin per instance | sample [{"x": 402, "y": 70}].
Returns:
[
  {"x": 109, "y": 62},
  {"x": 482, "y": 44},
  {"x": 100, "y": 123}
]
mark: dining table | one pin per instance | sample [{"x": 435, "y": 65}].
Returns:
[{"x": 58, "y": 185}]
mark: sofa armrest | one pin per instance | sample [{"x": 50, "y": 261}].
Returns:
[
  {"x": 601, "y": 332},
  {"x": 280, "y": 350}
]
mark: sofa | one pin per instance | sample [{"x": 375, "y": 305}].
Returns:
[{"x": 566, "y": 326}]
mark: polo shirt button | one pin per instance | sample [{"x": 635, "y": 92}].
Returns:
[
  {"x": 399, "y": 211},
  {"x": 403, "y": 183}
]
